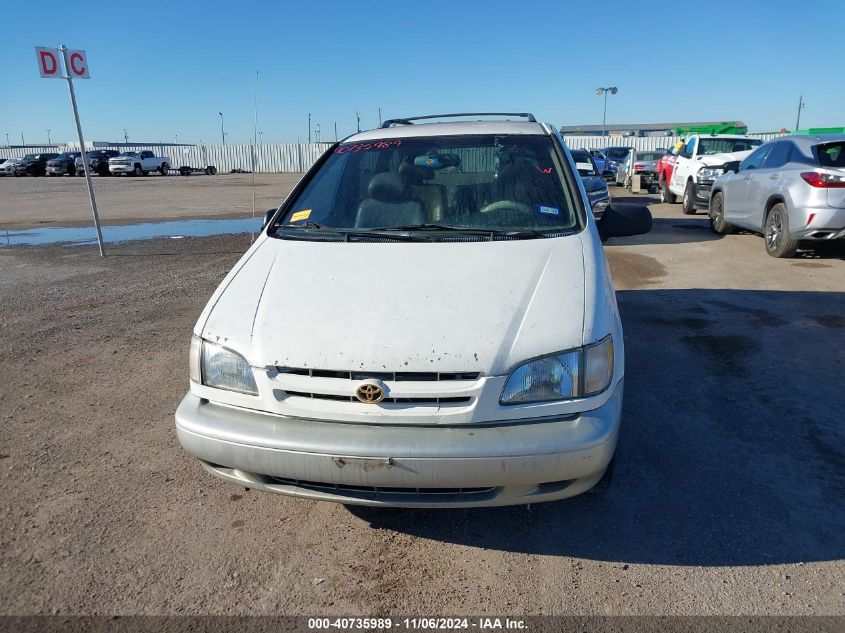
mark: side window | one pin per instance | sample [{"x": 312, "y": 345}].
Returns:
[
  {"x": 755, "y": 161},
  {"x": 689, "y": 148},
  {"x": 778, "y": 156}
]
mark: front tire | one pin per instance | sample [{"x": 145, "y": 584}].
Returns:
[
  {"x": 776, "y": 233},
  {"x": 718, "y": 224},
  {"x": 163, "y": 169},
  {"x": 689, "y": 199},
  {"x": 137, "y": 171}
]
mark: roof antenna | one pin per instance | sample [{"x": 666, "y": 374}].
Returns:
[{"x": 254, "y": 135}]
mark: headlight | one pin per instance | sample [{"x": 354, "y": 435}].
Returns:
[
  {"x": 216, "y": 366},
  {"x": 599, "y": 206},
  {"x": 710, "y": 173},
  {"x": 578, "y": 373}
]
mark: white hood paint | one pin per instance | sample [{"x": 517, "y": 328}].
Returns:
[
  {"x": 466, "y": 306},
  {"x": 721, "y": 159}
]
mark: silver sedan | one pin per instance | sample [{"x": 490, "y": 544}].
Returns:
[{"x": 791, "y": 189}]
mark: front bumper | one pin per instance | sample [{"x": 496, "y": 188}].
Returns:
[
  {"x": 121, "y": 169},
  {"x": 701, "y": 194},
  {"x": 58, "y": 170},
  {"x": 379, "y": 465}
]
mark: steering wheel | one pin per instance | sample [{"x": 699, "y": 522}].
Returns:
[{"x": 501, "y": 205}]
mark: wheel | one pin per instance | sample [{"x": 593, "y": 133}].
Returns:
[
  {"x": 163, "y": 169},
  {"x": 665, "y": 195},
  {"x": 776, "y": 233},
  {"x": 717, "y": 215},
  {"x": 689, "y": 199},
  {"x": 605, "y": 481},
  {"x": 137, "y": 171},
  {"x": 212, "y": 170}
]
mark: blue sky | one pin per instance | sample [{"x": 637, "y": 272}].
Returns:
[{"x": 168, "y": 68}]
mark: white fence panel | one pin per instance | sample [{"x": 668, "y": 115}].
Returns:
[{"x": 298, "y": 157}]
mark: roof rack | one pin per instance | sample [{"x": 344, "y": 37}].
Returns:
[{"x": 411, "y": 119}]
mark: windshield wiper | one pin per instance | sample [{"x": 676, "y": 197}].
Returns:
[
  {"x": 469, "y": 230},
  {"x": 346, "y": 233}
]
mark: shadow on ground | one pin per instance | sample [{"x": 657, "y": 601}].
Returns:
[{"x": 731, "y": 450}]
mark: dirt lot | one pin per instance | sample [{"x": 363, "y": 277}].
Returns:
[
  {"x": 63, "y": 201},
  {"x": 728, "y": 498}
]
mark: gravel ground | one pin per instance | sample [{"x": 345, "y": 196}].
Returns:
[
  {"x": 728, "y": 496},
  {"x": 63, "y": 201}
]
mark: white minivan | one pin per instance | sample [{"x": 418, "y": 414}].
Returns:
[{"x": 428, "y": 320}]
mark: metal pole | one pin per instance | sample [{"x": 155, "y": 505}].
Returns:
[
  {"x": 49, "y": 140},
  {"x": 358, "y": 117},
  {"x": 335, "y": 134},
  {"x": 604, "y": 116},
  {"x": 84, "y": 153},
  {"x": 309, "y": 128},
  {"x": 800, "y": 105},
  {"x": 379, "y": 116},
  {"x": 222, "y": 133},
  {"x": 22, "y": 141},
  {"x": 254, "y": 140}
]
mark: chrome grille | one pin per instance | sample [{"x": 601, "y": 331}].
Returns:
[
  {"x": 395, "y": 376},
  {"x": 421, "y": 400}
]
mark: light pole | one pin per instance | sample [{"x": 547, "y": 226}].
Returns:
[
  {"x": 176, "y": 139},
  {"x": 358, "y": 117},
  {"x": 317, "y": 133},
  {"x": 612, "y": 90},
  {"x": 49, "y": 142},
  {"x": 801, "y": 105},
  {"x": 125, "y": 137},
  {"x": 309, "y": 128},
  {"x": 222, "y": 133},
  {"x": 261, "y": 138},
  {"x": 7, "y": 139}
]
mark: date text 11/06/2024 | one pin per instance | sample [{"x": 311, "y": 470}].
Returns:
[{"x": 412, "y": 624}]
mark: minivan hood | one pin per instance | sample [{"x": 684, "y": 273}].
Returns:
[{"x": 447, "y": 307}]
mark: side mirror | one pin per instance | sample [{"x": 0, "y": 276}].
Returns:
[
  {"x": 267, "y": 217},
  {"x": 732, "y": 166},
  {"x": 622, "y": 220}
]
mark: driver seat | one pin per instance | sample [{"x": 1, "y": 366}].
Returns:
[{"x": 389, "y": 204}]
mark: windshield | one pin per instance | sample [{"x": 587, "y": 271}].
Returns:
[
  {"x": 30, "y": 157},
  {"x": 583, "y": 164},
  {"x": 508, "y": 182},
  {"x": 617, "y": 153},
  {"x": 726, "y": 145}
]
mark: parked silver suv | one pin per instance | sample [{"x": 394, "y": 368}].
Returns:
[{"x": 791, "y": 189}]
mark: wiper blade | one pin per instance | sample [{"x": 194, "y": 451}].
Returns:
[
  {"x": 306, "y": 225},
  {"x": 470, "y": 230},
  {"x": 346, "y": 233}
]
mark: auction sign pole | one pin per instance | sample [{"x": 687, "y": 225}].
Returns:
[{"x": 76, "y": 66}]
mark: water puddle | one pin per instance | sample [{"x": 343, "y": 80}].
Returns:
[{"x": 80, "y": 235}]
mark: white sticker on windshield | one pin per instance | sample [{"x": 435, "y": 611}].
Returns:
[
  {"x": 584, "y": 166},
  {"x": 548, "y": 210}
]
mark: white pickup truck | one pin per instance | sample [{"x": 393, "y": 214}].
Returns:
[
  {"x": 139, "y": 163},
  {"x": 700, "y": 162}
]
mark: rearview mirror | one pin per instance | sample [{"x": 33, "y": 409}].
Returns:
[
  {"x": 622, "y": 220},
  {"x": 268, "y": 215},
  {"x": 732, "y": 166}
]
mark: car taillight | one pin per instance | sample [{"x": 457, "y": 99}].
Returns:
[
  {"x": 817, "y": 179},
  {"x": 639, "y": 166}
]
